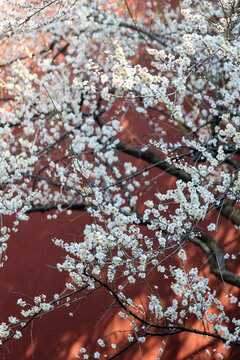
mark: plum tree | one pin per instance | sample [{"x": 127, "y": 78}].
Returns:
[{"x": 131, "y": 115}]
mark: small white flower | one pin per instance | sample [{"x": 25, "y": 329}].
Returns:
[
  {"x": 211, "y": 227},
  {"x": 182, "y": 254},
  {"x": 101, "y": 343},
  {"x": 17, "y": 335}
]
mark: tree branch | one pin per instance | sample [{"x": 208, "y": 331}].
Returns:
[
  {"x": 215, "y": 256},
  {"x": 155, "y": 325}
]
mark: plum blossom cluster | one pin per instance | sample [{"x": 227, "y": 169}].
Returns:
[
  {"x": 76, "y": 74},
  {"x": 15, "y": 325}
]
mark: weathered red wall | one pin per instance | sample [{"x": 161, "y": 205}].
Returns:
[{"x": 30, "y": 271}]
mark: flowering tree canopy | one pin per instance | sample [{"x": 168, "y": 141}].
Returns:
[{"x": 73, "y": 76}]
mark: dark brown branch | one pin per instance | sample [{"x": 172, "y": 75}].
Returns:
[
  {"x": 140, "y": 30},
  {"x": 69, "y": 206},
  {"x": 147, "y": 333},
  {"x": 231, "y": 213},
  {"x": 30, "y": 56},
  {"x": 155, "y": 325},
  {"x": 123, "y": 350},
  {"x": 53, "y": 183},
  {"x": 227, "y": 210},
  {"x": 42, "y": 311},
  {"x": 215, "y": 256},
  {"x": 151, "y": 158}
]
